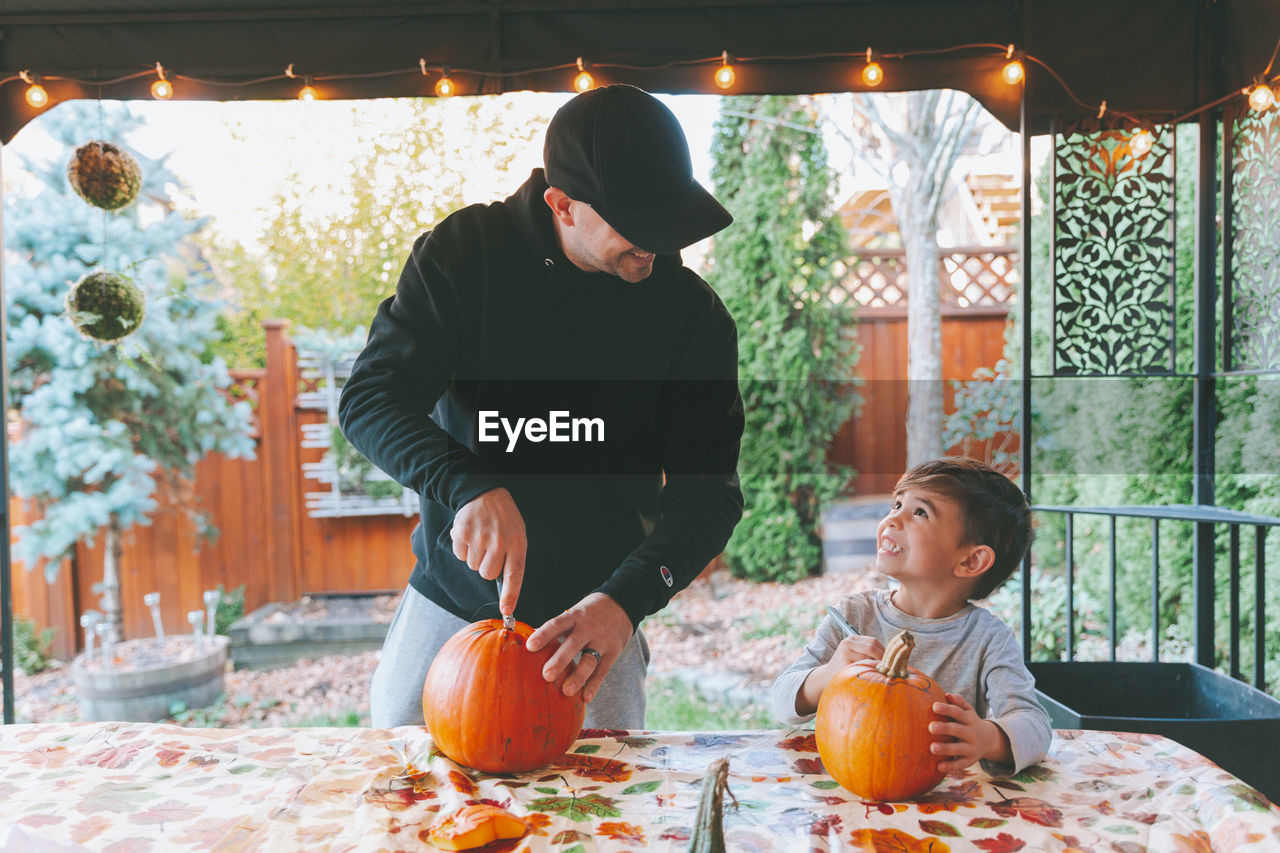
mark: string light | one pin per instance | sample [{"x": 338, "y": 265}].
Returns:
[
  {"x": 308, "y": 92},
  {"x": 1261, "y": 98},
  {"x": 1260, "y": 95},
  {"x": 37, "y": 97},
  {"x": 162, "y": 89},
  {"x": 1012, "y": 71},
  {"x": 872, "y": 73},
  {"x": 724, "y": 74},
  {"x": 445, "y": 87},
  {"x": 1140, "y": 143},
  {"x": 583, "y": 81}
]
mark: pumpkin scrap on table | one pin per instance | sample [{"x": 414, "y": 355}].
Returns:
[
  {"x": 872, "y": 726},
  {"x": 473, "y": 826},
  {"x": 488, "y": 707}
]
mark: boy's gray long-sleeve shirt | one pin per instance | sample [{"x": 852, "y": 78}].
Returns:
[{"x": 971, "y": 653}]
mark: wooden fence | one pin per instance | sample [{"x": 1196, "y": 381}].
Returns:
[
  {"x": 977, "y": 285},
  {"x": 266, "y": 540},
  {"x": 269, "y": 544}
]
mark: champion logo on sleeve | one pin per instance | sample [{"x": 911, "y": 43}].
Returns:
[{"x": 666, "y": 576}]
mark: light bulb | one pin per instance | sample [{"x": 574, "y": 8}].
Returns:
[
  {"x": 724, "y": 76},
  {"x": 1140, "y": 143},
  {"x": 1012, "y": 72},
  {"x": 1262, "y": 98},
  {"x": 445, "y": 87},
  {"x": 37, "y": 97},
  {"x": 872, "y": 74},
  {"x": 584, "y": 81},
  {"x": 308, "y": 93},
  {"x": 162, "y": 90}
]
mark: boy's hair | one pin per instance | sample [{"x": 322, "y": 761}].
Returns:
[{"x": 994, "y": 511}]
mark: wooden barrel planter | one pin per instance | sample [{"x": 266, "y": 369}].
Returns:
[{"x": 149, "y": 676}]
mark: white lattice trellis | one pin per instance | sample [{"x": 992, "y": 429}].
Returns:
[{"x": 323, "y": 376}]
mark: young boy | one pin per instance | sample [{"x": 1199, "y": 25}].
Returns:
[{"x": 956, "y": 530}]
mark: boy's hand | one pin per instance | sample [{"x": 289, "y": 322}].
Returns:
[
  {"x": 973, "y": 738},
  {"x": 853, "y": 649}
]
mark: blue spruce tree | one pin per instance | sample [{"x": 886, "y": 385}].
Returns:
[{"x": 104, "y": 424}]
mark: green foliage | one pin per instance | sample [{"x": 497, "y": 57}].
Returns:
[
  {"x": 356, "y": 474},
  {"x": 673, "y": 706},
  {"x": 103, "y": 424},
  {"x": 330, "y": 267},
  {"x": 230, "y": 609},
  {"x": 776, "y": 269},
  {"x": 794, "y": 622},
  {"x": 1049, "y": 608},
  {"x": 31, "y": 650},
  {"x": 349, "y": 719}
]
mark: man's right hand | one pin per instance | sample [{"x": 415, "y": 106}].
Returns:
[{"x": 488, "y": 535}]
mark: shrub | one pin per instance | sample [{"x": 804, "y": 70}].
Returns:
[
  {"x": 230, "y": 608},
  {"x": 31, "y": 650}
]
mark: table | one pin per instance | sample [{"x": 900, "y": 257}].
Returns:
[{"x": 150, "y": 787}]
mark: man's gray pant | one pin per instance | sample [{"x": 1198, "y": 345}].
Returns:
[{"x": 419, "y": 629}]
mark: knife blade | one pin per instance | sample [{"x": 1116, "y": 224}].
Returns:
[{"x": 508, "y": 620}]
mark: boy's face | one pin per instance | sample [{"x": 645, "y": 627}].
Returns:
[{"x": 922, "y": 537}]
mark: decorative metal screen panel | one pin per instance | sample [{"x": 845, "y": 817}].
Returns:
[
  {"x": 1252, "y": 254},
  {"x": 1113, "y": 252}
]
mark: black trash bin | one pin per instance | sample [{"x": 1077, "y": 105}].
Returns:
[{"x": 1234, "y": 725}]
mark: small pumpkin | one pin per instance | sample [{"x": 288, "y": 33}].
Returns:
[
  {"x": 872, "y": 727},
  {"x": 104, "y": 175},
  {"x": 488, "y": 707},
  {"x": 475, "y": 825}
]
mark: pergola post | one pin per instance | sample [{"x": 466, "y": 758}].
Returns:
[
  {"x": 1204, "y": 396},
  {"x": 6, "y": 575},
  {"x": 1024, "y": 300}
]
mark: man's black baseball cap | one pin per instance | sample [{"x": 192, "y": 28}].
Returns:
[{"x": 620, "y": 150}]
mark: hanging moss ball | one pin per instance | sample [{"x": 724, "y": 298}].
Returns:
[
  {"x": 106, "y": 306},
  {"x": 104, "y": 175}
]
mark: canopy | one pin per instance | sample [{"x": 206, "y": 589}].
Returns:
[
  {"x": 1155, "y": 57},
  {"x": 1152, "y": 59}
]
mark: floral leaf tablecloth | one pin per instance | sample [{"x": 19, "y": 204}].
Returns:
[{"x": 141, "y": 787}]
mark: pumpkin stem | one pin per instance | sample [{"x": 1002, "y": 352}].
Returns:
[
  {"x": 708, "y": 828},
  {"x": 896, "y": 655}
]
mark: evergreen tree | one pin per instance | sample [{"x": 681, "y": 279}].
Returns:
[
  {"x": 103, "y": 426},
  {"x": 776, "y": 270}
]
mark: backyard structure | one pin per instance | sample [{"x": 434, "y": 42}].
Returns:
[
  {"x": 286, "y": 530},
  {"x": 269, "y": 541},
  {"x": 1198, "y": 61}
]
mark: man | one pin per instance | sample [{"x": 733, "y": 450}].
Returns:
[{"x": 561, "y": 392}]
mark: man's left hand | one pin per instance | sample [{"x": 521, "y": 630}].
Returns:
[{"x": 596, "y": 622}]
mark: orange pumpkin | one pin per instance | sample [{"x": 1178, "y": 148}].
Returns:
[
  {"x": 475, "y": 825},
  {"x": 488, "y": 707},
  {"x": 872, "y": 727}
]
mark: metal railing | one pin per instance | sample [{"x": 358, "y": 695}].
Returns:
[{"x": 1206, "y": 519}]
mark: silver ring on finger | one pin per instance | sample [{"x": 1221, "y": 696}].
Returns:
[{"x": 587, "y": 650}]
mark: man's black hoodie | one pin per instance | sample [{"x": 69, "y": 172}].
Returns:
[{"x": 490, "y": 320}]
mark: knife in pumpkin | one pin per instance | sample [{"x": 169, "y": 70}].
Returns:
[{"x": 508, "y": 622}]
